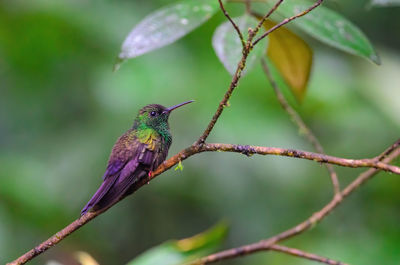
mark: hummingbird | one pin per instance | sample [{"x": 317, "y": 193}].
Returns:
[{"x": 136, "y": 154}]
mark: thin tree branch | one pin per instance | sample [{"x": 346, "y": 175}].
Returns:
[
  {"x": 262, "y": 20},
  {"x": 304, "y": 255},
  {"x": 235, "y": 26},
  {"x": 287, "y": 20},
  {"x": 248, "y": 6},
  {"x": 295, "y": 117},
  {"x": 286, "y": 250},
  {"x": 55, "y": 239},
  {"x": 192, "y": 150},
  {"x": 87, "y": 217},
  {"x": 322, "y": 158},
  {"x": 225, "y": 99},
  {"x": 303, "y": 226},
  {"x": 389, "y": 150},
  {"x": 241, "y": 66}
]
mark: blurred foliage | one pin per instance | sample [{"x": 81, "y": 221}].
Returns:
[
  {"x": 175, "y": 252},
  {"x": 62, "y": 108}
]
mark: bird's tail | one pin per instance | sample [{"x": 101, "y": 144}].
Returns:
[
  {"x": 100, "y": 193},
  {"x": 112, "y": 190},
  {"x": 121, "y": 188}
]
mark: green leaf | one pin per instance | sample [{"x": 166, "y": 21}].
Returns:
[
  {"x": 175, "y": 252},
  {"x": 167, "y": 25},
  {"x": 329, "y": 27},
  {"x": 384, "y": 3},
  {"x": 228, "y": 47}
]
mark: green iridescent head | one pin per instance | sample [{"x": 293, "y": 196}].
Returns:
[{"x": 155, "y": 116}]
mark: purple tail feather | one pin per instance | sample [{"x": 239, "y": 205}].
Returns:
[
  {"x": 100, "y": 193},
  {"x": 113, "y": 189}
]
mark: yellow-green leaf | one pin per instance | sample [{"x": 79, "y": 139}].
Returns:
[
  {"x": 292, "y": 56},
  {"x": 176, "y": 252}
]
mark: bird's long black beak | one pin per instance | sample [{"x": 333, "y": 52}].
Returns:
[{"x": 168, "y": 110}]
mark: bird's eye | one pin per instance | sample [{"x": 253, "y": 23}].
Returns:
[{"x": 153, "y": 113}]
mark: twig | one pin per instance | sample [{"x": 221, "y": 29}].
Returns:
[
  {"x": 303, "y": 226},
  {"x": 303, "y": 254},
  {"x": 283, "y": 249},
  {"x": 322, "y": 158},
  {"x": 186, "y": 153},
  {"x": 55, "y": 239},
  {"x": 287, "y": 20},
  {"x": 295, "y": 117},
  {"x": 262, "y": 20},
  {"x": 224, "y": 100},
  {"x": 248, "y": 6},
  {"x": 87, "y": 217},
  {"x": 389, "y": 150},
  {"x": 240, "y": 67},
  {"x": 235, "y": 26}
]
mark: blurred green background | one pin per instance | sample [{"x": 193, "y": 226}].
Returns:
[{"x": 62, "y": 108}]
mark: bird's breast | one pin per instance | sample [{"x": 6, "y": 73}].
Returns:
[{"x": 150, "y": 138}]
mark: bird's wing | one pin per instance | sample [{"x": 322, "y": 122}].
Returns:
[
  {"x": 122, "y": 152},
  {"x": 155, "y": 149},
  {"x": 130, "y": 160}
]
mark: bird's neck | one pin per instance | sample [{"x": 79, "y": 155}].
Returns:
[{"x": 161, "y": 129}]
